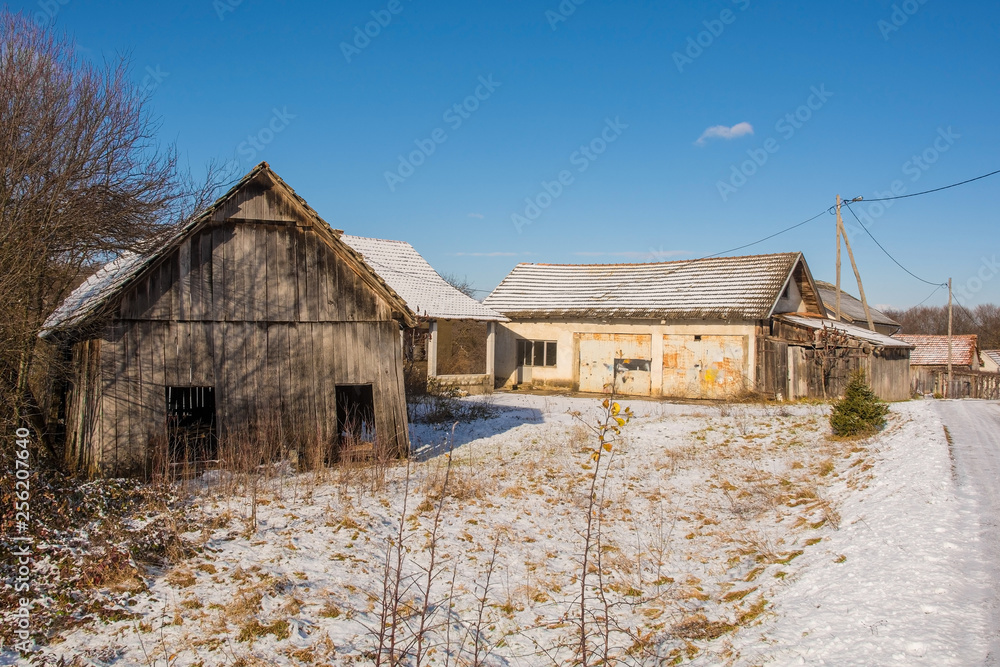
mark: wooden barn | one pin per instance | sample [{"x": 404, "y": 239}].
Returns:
[{"x": 255, "y": 310}]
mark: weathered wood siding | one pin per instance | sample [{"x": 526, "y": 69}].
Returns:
[
  {"x": 265, "y": 313},
  {"x": 790, "y": 366}
]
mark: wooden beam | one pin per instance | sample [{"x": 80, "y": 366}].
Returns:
[{"x": 857, "y": 276}]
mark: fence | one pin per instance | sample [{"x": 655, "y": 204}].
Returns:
[{"x": 964, "y": 383}]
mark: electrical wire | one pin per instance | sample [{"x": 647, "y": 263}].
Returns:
[
  {"x": 848, "y": 206},
  {"x": 936, "y": 290},
  {"x": 767, "y": 238},
  {"x": 946, "y": 187},
  {"x": 972, "y": 316}
]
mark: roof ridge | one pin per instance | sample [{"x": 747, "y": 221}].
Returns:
[{"x": 670, "y": 262}]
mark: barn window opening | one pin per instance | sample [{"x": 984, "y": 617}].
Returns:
[
  {"x": 697, "y": 337},
  {"x": 355, "y": 413},
  {"x": 536, "y": 353},
  {"x": 191, "y": 432}
]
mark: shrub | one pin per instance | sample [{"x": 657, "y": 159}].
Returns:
[{"x": 860, "y": 411}]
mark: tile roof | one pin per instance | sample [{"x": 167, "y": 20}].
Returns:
[
  {"x": 424, "y": 290},
  {"x": 851, "y": 308},
  {"x": 861, "y": 333},
  {"x": 933, "y": 350},
  {"x": 728, "y": 288},
  {"x": 994, "y": 356}
]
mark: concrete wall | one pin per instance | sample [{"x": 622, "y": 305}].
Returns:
[{"x": 568, "y": 336}]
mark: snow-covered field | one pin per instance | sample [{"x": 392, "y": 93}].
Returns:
[{"x": 735, "y": 535}]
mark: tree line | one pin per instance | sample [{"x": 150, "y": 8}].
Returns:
[{"x": 982, "y": 320}]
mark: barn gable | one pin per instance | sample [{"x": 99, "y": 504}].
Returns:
[{"x": 193, "y": 274}]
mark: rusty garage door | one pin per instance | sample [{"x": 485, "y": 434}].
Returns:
[
  {"x": 703, "y": 366},
  {"x": 622, "y": 358}
]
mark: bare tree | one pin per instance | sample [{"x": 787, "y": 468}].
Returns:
[
  {"x": 462, "y": 284},
  {"x": 982, "y": 320},
  {"x": 82, "y": 180}
]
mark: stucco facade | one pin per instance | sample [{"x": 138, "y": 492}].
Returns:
[{"x": 688, "y": 358}]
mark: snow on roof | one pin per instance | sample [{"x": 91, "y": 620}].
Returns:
[
  {"x": 89, "y": 296},
  {"x": 718, "y": 288},
  {"x": 424, "y": 290},
  {"x": 851, "y": 307},
  {"x": 933, "y": 350},
  {"x": 854, "y": 331}
]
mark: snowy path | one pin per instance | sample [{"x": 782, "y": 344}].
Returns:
[
  {"x": 903, "y": 580},
  {"x": 974, "y": 427}
]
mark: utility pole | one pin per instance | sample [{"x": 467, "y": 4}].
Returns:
[
  {"x": 838, "y": 257},
  {"x": 947, "y": 393},
  {"x": 854, "y": 266},
  {"x": 857, "y": 276}
]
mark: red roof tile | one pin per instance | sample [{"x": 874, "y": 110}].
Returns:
[{"x": 933, "y": 350}]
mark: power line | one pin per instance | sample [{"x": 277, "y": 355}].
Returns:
[
  {"x": 975, "y": 320},
  {"x": 861, "y": 224},
  {"x": 946, "y": 187},
  {"x": 936, "y": 290},
  {"x": 767, "y": 238}
]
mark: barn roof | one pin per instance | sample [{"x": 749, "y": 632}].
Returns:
[
  {"x": 91, "y": 298},
  {"x": 851, "y": 308},
  {"x": 852, "y": 330},
  {"x": 423, "y": 289},
  {"x": 728, "y": 288},
  {"x": 933, "y": 350}
]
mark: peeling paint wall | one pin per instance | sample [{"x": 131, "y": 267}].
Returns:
[{"x": 587, "y": 351}]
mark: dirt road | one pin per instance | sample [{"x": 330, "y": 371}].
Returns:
[{"x": 974, "y": 436}]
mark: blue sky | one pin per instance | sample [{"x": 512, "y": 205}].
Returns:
[{"x": 611, "y": 99}]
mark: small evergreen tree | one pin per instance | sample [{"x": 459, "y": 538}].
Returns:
[{"x": 860, "y": 411}]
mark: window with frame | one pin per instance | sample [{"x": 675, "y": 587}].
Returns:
[{"x": 536, "y": 353}]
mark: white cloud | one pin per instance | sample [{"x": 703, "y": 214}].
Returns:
[
  {"x": 723, "y": 132},
  {"x": 478, "y": 216}
]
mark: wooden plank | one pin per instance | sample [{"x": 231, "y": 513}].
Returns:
[
  {"x": 228, "y": 249},
  {"x": 301, "y": 242},
  {"x": 287, "y": 287},
  {"x": 205, "y": 240},
  {"x": 318, "y": 371},
  {"x": 218, "y": 275},
  {"x": 274, "y": 308},
  {"x": 184, "y": 280},
  {"x": 200, "y": 360},
  {"x": 259, "y": 289},
  {"x": 195, "y": 279},
  {"x": 345, "y": 293},
  {"x": 323, "y": 281},
  {"x": 222, "y": 381},
  {"x": 241, "y": 271},
  {"x": 311, "y": 276}
]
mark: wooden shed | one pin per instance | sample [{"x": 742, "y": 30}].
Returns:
[{"x": 254, "y": 310}]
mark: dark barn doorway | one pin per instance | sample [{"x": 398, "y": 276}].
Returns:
[
  {"x": 355, "y": 414},
  {"x": 191, "y": 433}
]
